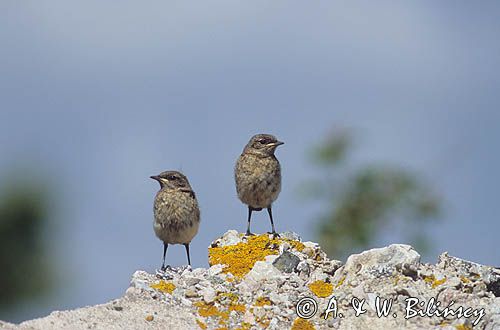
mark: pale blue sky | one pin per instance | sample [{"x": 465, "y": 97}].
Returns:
[{"x": 103, "y": 94}]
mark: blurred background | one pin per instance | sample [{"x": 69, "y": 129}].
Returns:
[{"x": 389, "y": 111}]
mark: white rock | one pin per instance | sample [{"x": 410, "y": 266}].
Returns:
[
  {"x": 231, "y": 237},
  {"x": 270, "y": 258},
  {"x": 208, "y": 294},
  {"x": 263, "y": 271},
  {"x": 215, "y": 269},
  {"x": 311, "y": 245},
  {"x": 379, "y": 260},
  {"x": 249, "y": 318}
]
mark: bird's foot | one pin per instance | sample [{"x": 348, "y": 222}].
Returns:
[
  {"x": 275, "y": 234},
  {"x": 162, "y": 273},
  {"x": 165, "y": 268},
  {"x": 248, "y": 233},
  {"x": 182, "y": 269}
]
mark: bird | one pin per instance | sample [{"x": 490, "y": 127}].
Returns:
[
  {"x": 258, "y": 176},
  {"x": 176, "y": 212}
]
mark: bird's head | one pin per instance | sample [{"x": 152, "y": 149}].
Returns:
[
  {"x": 262, "y": 144},
  {"x": 171, "y": 180}
]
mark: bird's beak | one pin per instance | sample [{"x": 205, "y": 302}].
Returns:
[
  {"x": 155, "y": 177},
  {"x": 277, "y": 143}
]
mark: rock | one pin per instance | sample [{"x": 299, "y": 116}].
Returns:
[
  {"x": 215, "y": 269},
  {"x": 208, "y": 294},
  {"x": 468, "y": 269},
  {"x": 191, "y": 281},
  {"x": 304, "y": 269},
  {"x": 248, "y": 318},
  {"x": 286, "y": 262},
  {"x": 231, "y": 237},
  {"x": 291, "y": 236},
  {"x": 262, "y": 271},
  {"x": 308, "y": 251},
  {"x": 191, "y": 293},
  {"x": 278, "y": 274},
  {"x": 380, "y": 261}
]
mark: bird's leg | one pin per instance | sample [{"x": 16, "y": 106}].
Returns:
[
  {"x": 187, "y": 252},
  {"x": 165, "y": 246},
  {"x": 250, "y": 209},
  {"x": 275, "y": 234}
]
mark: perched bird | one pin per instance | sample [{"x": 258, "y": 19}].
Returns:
[
  {"x": 176, "y": 212},
  {"x": 258, "y": 175}
]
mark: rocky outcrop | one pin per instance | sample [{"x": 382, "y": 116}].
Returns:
[{"x": 281, "y": 283}]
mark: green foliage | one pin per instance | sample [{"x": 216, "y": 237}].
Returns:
[
  {"x": 362, "y": 201},
  {"x": 25, "y": 268}
]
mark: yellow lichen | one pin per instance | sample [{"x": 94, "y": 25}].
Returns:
[
  {"x": 464, "y": 279},
  {"x": 264, "y": 322},
  {"x": 463, "y": 327},
  {"x": 206, "y": 310},
  {"x": 240, "y": 258},
  {"x": 163, "y": 286},
  {"x": 299, "y": 246},
  {"x": 201, "y": 324},
  {"x": 262, "y": 301},
  {"x": 433, "y": 281},
  {"x": 341, "y": 281},
  {"x": 210, "y": 310},
  {"x": 438, "y": 282},
  {"x": 301, "y": 324},
  {"x": 227, "y": 298},
  {"x": 240, "y": 308},
  {"x": 429, "y": 279},
  {"x": 321, "y": 289},
  {"x": 244, "y": 326}
]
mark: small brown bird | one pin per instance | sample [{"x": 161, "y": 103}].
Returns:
[
  {"x": 176, "y": 212},
  {"x": 258, "y": 176}
]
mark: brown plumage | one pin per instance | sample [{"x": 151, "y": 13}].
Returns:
[
  {"x": 176, "y": 211},
  {"x": 258, "y": 175}
]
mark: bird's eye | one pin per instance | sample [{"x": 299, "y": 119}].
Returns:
[
  {"x": 171, "y": 177},
  {"x": 263, "y": 141}
]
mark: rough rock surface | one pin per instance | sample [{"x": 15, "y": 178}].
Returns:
[{"x": 256, "y": 282}]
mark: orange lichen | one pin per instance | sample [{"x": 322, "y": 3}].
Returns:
[
  {"x": 240, "y": 258},
  {"x": 201, "y": 324},
  {"x": 163, "y": 286},
  {"x": 321, "y": 289},
  {"x": 262, "y": 301},
  {"x": 301, "y": 324}
]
